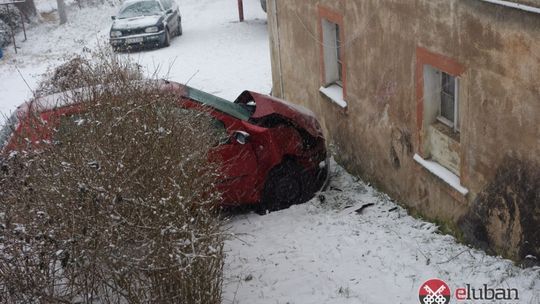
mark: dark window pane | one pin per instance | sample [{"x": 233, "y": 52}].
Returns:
[
  {"x": 447, "y": 106},
  {"x": 448, "y": 84},
  {"x": 143, "y": 8},
  {"x": 338, "y": 49},
  {"x": 448, "y": 96}
]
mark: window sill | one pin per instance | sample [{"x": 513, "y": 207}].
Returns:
[
  {"x": 447, "y": 131},
  {"x": 335, "y": 93},
  {"x": 442, "y": 173}
]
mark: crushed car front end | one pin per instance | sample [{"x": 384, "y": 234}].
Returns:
[{"x": 271, "y": 112}]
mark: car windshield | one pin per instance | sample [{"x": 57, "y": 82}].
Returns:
[
  {"x": 7, "y": 129},
  {"x": 218, "y": 103},
  {"x": 143, "y": 8}
]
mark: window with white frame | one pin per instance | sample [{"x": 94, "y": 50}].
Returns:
[
  {"x": 333, "y": 64},
  {"x": 441, "y": 118},
  {"x": 441, "y": 94},
  {"x": 449, "y": 104},
  {"x": 437, "y": 104}
]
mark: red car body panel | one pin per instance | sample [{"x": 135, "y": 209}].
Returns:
[
  {"x": 304, "y": 118},
  {"x": 245, "y": 167}
]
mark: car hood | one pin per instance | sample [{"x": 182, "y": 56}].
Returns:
[
  {"x": 136, "y": 22},
  {"x": 299, "y": 115}
]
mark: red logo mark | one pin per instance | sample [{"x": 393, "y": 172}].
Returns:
[{"x": 434, "y": 291}]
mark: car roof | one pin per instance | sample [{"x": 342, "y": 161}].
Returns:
[
  {"x": 128, "y": 2},
  {"x": 218, "y": 103},
  {"x": 72, "y": 97},
  {"x": 62, "y": 99},
  {"x": 134, "y": 1}
]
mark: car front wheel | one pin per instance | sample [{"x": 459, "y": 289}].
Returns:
[
  {"x": 167, "y": 39},
  {"x": 284, "y": 187}
]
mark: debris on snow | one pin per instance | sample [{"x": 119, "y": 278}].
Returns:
[
  {"x": 321, "y": 252},
  {"x": 361, "y": 209}
]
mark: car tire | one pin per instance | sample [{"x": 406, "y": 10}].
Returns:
[
  {"x": 179, "y": 29},
  {"x": 284, "y": 187},
  {"x": 167, "y": 40}
]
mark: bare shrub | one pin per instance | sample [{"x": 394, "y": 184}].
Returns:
[
  {"x": 119, "y": 206},
  {"x": 78, "y": 72},
  {"x": 5, "y": 34},
  {"x": 11, "y": 16}
]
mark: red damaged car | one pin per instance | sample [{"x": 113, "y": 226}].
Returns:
[{"x": 276, "y": 156}]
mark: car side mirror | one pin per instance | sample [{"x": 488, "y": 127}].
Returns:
[
  {"x": 241, "y": 137},
  {"x": 113, "y": 17},
  {"x": 169, "y": 11}
]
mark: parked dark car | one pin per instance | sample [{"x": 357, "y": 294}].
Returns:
[
  {"x": 275, "y": 154},
  {"x": 145, "y": 23}
]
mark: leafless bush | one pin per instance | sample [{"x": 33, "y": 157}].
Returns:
[
  {"x": 79, "y": 71},
  {"x": 11, "y": 16},
  {"x": 5, "y": 34},
  {"x": 119, "y": 206}
]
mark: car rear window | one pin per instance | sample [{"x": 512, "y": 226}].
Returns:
[
  {"x": 167, "y": 4},
  {"x": 143, "y": 8},
  {"x": 220, "y": 104}
]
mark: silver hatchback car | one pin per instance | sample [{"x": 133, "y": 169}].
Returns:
[{"x": 145, "y": 23}]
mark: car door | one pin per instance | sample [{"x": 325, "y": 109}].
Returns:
[
  {"x": 172, "y": 18},
  {"x": 238, "y": 164}
]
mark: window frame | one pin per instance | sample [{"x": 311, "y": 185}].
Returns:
[
  {"x": 454, "y": 123},
  {"x": 339, "y": 60},
  {"x": 330, "y": 16},
  {"x": 442, "y": 63}
]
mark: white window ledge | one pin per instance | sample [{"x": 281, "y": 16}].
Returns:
[
  {"x": 442, "y": 173},
  {"x": 335, "y": 93},
  {"x": 512, "y": 4}
]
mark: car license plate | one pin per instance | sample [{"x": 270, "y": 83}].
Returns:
[{"x": 134, "y": 40}]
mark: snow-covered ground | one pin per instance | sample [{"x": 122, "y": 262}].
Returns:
[
  {"x": 325, "y": 251},
  {"x": 318, "y": 252}
]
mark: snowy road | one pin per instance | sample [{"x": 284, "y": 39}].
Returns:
[
  {"x": 312, "y": 253},
  {"x": 218, "y": 53}
]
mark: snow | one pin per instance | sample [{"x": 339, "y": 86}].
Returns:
[
  {"x": 318, "y": 252},
  {"x": 335, "y": 93},
  {"x": 48, "y": 44},
  {"x": 325, "y": 252},
  {"x": 443, "y": 173},
  {"x": 216, "y": 53},
  {"x": 49, "y": 6}
]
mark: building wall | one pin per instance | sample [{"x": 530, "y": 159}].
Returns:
[{"x": 496, "y": 50}]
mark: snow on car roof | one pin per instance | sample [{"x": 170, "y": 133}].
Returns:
[
  {"x": 133, "y": 1},
  {"x": 71, "y": 97},
  {"x": 127, "y": 2},
  {"x": 67, "y": 98}
]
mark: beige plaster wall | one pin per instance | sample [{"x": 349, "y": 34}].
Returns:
[{"x": 376, "y": 136}]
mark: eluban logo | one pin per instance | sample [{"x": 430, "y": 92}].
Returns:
[
  {"x": 434, "y": 291},
  {"x": 486, "y": 293}
]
